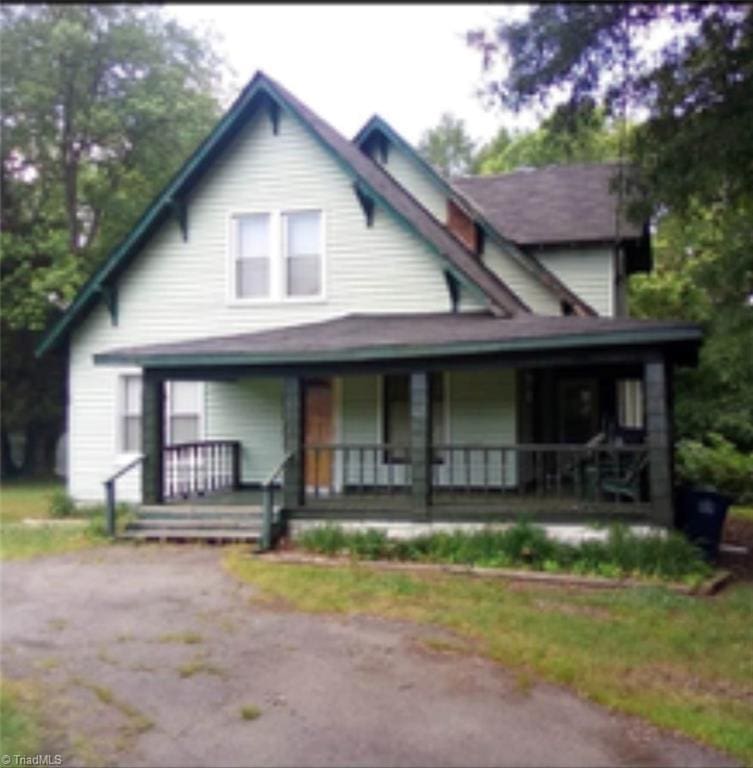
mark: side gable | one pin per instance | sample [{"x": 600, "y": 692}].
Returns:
[
  {"x": 371, "y": 185},
  {"x": 381, "y": 142}
]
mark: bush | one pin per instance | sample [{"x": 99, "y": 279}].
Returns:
[
  {"x": 623, "y": 553},
  {"x": 61, "y": 504},
  {"x": 717, "y": 463}
]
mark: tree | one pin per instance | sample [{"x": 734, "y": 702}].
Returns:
[
  {"x": 100, "y": 105},
  {"x": 448, "y": 146},
  {"x": 694, "y": 150},
  {"x": 590, "y": 139}
]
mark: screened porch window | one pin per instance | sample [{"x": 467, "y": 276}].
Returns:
[
  {"x": 252, "y": 255},
  {"x": 130, "y": 414},
  {"x": 396, "y": 410},
  {"x": 303, "y": 253}
]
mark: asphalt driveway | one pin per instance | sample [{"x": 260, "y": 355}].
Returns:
[{"x": 147, "y": 656}]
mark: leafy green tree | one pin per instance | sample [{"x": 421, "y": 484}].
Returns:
[
  {"x": 448, "y": 146},
  {"x": 100, "y": 105},
  {"x": 588, "y": 139},
  {"x": 694, "y": 149}
]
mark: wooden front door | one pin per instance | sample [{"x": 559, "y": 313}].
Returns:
[{"x": 317, "y": 430}]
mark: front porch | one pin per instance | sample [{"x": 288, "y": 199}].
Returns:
[{"x": 474, "y": 433}]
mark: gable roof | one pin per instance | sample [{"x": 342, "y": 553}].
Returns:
[
  {"x": 555, "y": 204},
  {"x": 540, "y": 272},
  {"x": 371, "y": 179}
]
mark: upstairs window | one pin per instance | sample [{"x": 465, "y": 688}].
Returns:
[
  {"x": 252, "y": 255},
  {"x": 130, "y": 414},
  {"x": 303, "y": 253},
  {"x": 277, "y": 255}
]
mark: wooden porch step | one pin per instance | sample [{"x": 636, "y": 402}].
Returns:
[
  {"x": 208, "y": 514},
  {"x": 199, "y": 511},
  {"x": 194, "y": 534},
  {"x": 197, "y": 523}
]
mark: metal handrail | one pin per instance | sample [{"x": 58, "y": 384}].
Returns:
[
  {"x": 110, "y": 492},
  {"x": 268, "y": 502}
]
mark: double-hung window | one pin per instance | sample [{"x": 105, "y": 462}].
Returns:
[
  {"x": 303, "y": 253},
  {"x": 252, "y": 255},
  {"x": 130, "y": 414},
  {"x": 277, "y": 255}
]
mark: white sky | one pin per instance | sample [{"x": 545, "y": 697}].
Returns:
[{"x": 409, "y": 63}]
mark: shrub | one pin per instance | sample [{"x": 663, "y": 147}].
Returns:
[
  {"x": 623, "y": 553},
  {"x": 61, "y": 504},
  {"x": 326, "y": 539},
  {"x": 717, "y": 463}
]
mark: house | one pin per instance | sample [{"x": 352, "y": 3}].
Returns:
[{"x": 335, "y": 318}]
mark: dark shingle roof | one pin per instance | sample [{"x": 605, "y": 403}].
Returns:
[
  {"x": 391, "y": 336},
  {"x": 556, "y": 204}
]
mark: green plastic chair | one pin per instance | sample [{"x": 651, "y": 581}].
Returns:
[{"x": 628, "y": 483}]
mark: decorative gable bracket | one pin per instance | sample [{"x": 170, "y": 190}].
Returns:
[
  {"x": 453, "y": 288},
  {"x": 179, "y": 208},
  {"x": 274, "y": 116},
  {"x": 109, "y": 294},
  {"x": 366, "y": 202}
]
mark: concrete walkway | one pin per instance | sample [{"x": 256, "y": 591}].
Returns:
[{"x": 147, "y": 655}]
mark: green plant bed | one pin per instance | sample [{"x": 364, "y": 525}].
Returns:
[{"x": 523, "y": 545}]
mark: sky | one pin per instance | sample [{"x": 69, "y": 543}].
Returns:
[{"x": 408, "y": 63}]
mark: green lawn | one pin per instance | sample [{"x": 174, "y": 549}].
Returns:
[
  {"x": 682, "y": 663},
  {"x": 30, "y": 499},
  {"x": 742, "y": 513},
  {"x": 19, "y": 728}
]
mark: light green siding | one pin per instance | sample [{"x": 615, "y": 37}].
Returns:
[
  {"x": 539, "y": 298},
  {"x": 587, "y": 271},
  {"x": 408, "y": 173},
  {"x": 250, "y": 411}
]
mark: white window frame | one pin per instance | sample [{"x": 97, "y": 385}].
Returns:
[
  {"x": 278, "y": 259},
  {"x": 201, "y": 413},
  {"x": 120, "y": 401}
]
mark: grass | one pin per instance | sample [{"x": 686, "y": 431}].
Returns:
[
  {"x": 622, "y": 554},
  {"x": 742, "y": 513},
  {"x": 185, "y": 638},
  {"x": 250, "y": 712},
  {"x": 199, "y": 665},
  {"x": 19, "y": 500},
  {"x": 682, "y": 663},
  {"x": 19, "y": 727},
  {"x": 29, "y": 498}
]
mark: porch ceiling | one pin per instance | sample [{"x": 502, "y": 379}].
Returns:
[{"x": 364, "y": 338}]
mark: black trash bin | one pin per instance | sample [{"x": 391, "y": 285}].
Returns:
[{"x": 702, "y": 514}]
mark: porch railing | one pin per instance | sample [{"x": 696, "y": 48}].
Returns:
[
  {"x": 269, "y": 509},
  {"x": 603, "y": 474},
  {"x": 537, "y": 477},
  {"x": 200, "y": 468},
  {"x": 333, "y": 472}
]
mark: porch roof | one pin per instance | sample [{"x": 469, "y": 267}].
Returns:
[{"x": 384, "y": 337}]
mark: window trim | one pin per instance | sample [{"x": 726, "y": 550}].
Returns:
[
  {"x": 120, "y": 399},
  {"x": 277, "y": 262}
]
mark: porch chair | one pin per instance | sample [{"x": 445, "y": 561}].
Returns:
[{"x": 625, "y": 483}]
